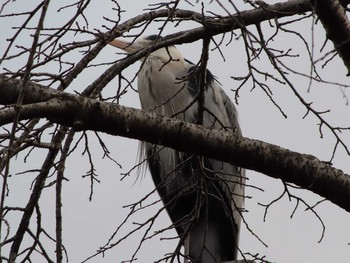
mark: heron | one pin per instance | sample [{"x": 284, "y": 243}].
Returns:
[{"x": 203, "y": 197}]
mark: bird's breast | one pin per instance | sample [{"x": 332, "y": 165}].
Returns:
[{"x": 162, "y": 89}]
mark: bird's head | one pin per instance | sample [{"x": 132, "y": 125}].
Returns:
[{"x": 165, "y": 54}]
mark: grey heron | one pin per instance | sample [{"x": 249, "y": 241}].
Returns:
[{"x": 202, "y": 196}]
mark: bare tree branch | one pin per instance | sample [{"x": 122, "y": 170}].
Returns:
[
  {"x": 337, "y": 25},
  {"x": 34, "y": 198},
  {"x": 57, "y": 45},
  {"x": 83, "y": 113}
]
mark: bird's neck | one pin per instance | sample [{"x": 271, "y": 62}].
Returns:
[{"x": 162, "y": 86}]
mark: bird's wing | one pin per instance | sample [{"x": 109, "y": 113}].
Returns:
[
  {"x": 226, "y": 181},
  {"x": 164, "y": 176},
  {"x": 232, "y": 178},
  {"x": 230, "y": 111},
  {"x": 220, "y": 113}
]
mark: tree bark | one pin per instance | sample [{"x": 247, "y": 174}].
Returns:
[
  {"x": 337, "y": 25},
  {"x": 83, "y": 113}
]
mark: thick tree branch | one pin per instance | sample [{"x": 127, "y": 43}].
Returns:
[
  {"x": 87, "y": 114},
  {"x": 337, "y": 25}
]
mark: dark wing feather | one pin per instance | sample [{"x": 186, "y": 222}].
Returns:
[
  {"x": 225, "y": 182},
  {"x": 176, "y": 177}
]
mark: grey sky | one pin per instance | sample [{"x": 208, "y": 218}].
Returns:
[{"x": 88, "y": 225}]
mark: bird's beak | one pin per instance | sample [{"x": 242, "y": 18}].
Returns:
[{"x": 124, "y": 45}]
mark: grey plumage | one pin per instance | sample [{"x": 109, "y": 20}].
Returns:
[{"x": 202, "y": 196}]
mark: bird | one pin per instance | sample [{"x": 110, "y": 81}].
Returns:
[{"x": 203, "y": 197}]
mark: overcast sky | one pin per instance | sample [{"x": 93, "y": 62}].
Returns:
[{"x": 89, "y": 225}]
